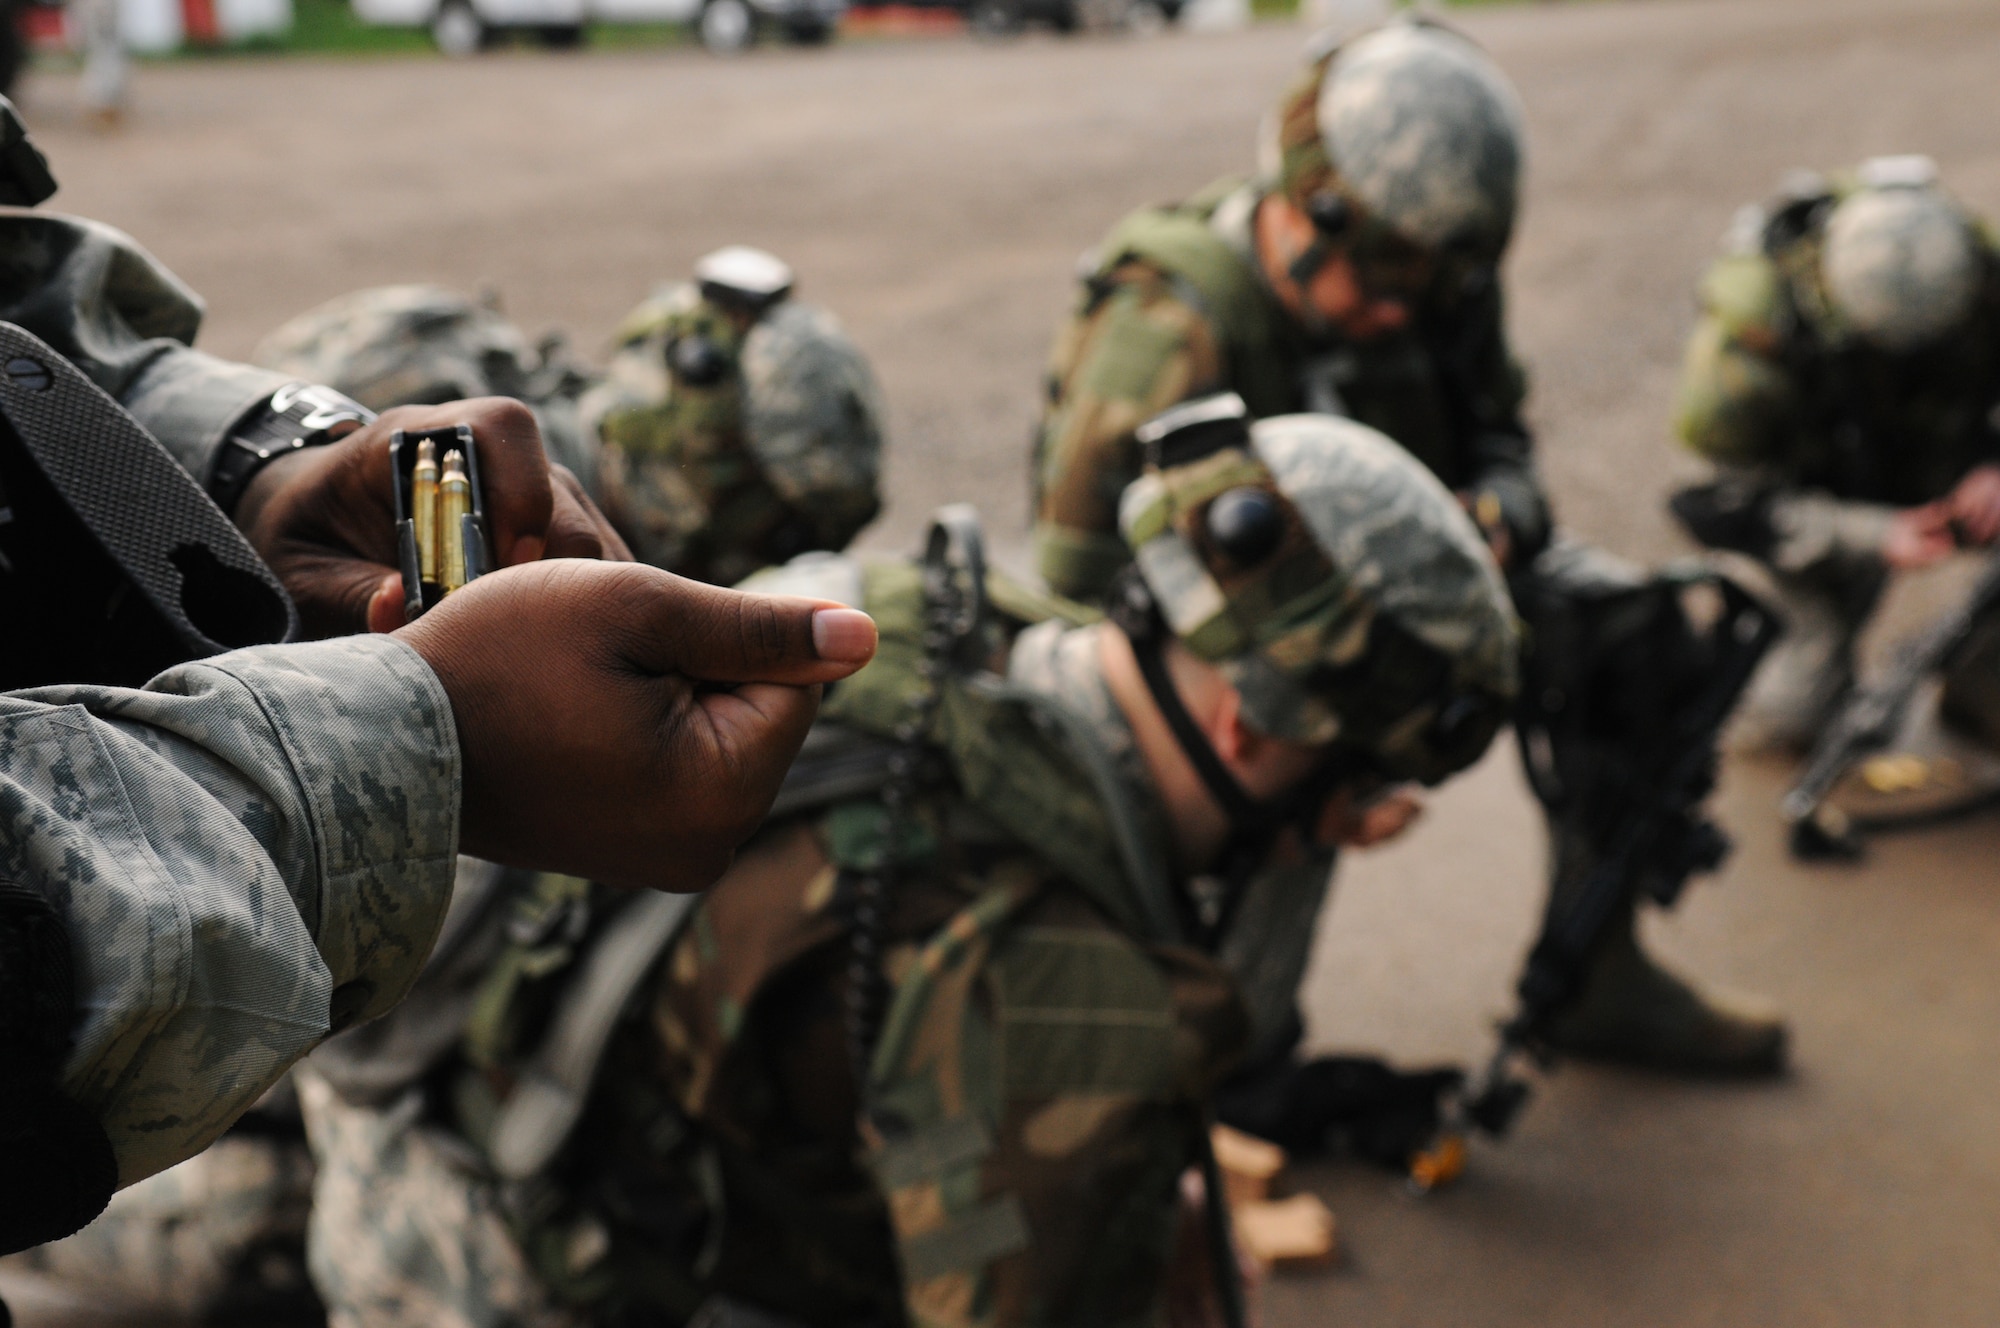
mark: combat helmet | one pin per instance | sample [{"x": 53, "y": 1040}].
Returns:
[
  {"x": 1899, "y": 260},
  {"x": 423, "y": 345},
  {"x": 1336, "y": 583},
  {"x": 1405, "y": 145},
  {"x": 740, "y": 426},
  {"x": 812, "y": 410}
]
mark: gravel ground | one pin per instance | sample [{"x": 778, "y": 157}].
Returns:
[{"x": 936, "y": 194}]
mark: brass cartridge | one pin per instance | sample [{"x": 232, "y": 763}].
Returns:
[
  {"x": 424, "y": 509},
  {"x": 454, "y": 505}
]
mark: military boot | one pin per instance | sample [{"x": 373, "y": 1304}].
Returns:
[{"x": 1634, "y": 1012}]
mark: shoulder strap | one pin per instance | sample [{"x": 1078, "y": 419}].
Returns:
[
  {"x": 553, "y": 1087},
  {"x": 1223, "y": 288}
]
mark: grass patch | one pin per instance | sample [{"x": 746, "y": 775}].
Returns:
[{"x": 330, "y": 27}]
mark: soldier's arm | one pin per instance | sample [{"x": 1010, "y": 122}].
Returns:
[
  {"x": 118, "y": 314},
  {"x": 256, "y": 849},
  {"x": 1133, "y": 350},
  {"x": 248, "y": 853},
  {"x": 115, "y": 312}
]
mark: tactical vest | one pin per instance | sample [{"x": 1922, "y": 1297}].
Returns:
[
  {"x": 1434, "y": 388},
  {"x": 1258, "y": 344}
]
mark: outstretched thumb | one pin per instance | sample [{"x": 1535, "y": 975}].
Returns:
[{"x": 711, "y": 634}]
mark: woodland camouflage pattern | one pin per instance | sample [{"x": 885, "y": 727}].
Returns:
[
  {"x": 424, "y": 345},
  {"x": 1176, "y": 304},
  {"x": 780, "y": 455},
  {"x": 1821, "y": 436},
  {"x": 255, "y": 850}
]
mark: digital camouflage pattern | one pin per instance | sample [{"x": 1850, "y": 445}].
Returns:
[
  {"x": 1415, "y": 128},
  {"x": 424, "y": 345},
  {"x": 406, "y": 1229},
  {"x": 763, "y": 443},
  {"x": 1818, "y": 435},
  {"x": 176, "y": 1242},
  {"x": 252, "y": 852},
  {"x": 1175, "y": 304},
  {"x": 1373, "y": 540}
]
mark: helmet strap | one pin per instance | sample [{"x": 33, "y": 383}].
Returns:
[{"x": 1135, "y": 613}]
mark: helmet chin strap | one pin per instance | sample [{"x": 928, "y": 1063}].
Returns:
[
  {"x": 1303, "y": 269},
  {"x": 1135, "y": 614}
]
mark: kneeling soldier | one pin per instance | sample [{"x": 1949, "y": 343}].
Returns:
[{"x": 938, "y": 1048}]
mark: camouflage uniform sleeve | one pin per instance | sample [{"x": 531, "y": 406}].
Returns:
[
  {"x": 251, "y": 852},
  {"x": 1133, "y": 349},
  {"x": 1738, "y": 407},
  {"x": 110, "y": 308}
]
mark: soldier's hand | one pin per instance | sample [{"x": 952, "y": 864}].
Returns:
[
  {"x": 1919, "y": 537},
  {"x": 624, "y": 724},
  {"x": 1356, "y": 822},
  {"x": 324, "y": 518},
  {"x": 1975, "y": 506}
]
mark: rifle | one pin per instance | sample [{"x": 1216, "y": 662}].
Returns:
[
  {"x": 1869, "y": 719},
  {"x": 1659, "y": 838}
]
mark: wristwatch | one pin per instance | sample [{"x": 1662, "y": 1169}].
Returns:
[{"x": 297, "y": 415}]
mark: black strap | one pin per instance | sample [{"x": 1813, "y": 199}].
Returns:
[
  {"x": 1135, "y": 613},
  {"x": 1236, "y": 804}
]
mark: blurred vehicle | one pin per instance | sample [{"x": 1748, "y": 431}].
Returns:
[
  {"x": 1003, "y": 18},
  {"x": 461, "y": 27}
]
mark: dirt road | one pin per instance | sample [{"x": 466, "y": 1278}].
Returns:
[{"x": 936, "y": 194}]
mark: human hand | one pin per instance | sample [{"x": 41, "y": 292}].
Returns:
[
  {"x": 1486, "y": 513},
  {"x": 1975, "y": 506},
  {"x": 324, "y": 518},
  {"x": 1920, "y": 536},
  {"x": 625, "y": 724},
  {"x": 1353, "y": 822}
]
